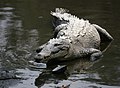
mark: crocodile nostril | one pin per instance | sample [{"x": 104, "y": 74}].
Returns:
[{"x": 39, "y": 54}]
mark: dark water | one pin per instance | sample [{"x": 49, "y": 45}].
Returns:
[{"x": 26, "y": 24}]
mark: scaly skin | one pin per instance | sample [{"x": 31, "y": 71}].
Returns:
[{"x": 73, "y": 38}]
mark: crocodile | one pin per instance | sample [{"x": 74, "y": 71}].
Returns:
[{"x": 73, "y": 38}]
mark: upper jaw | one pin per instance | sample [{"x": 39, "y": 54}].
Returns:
[{"x": 41, "y": 58}]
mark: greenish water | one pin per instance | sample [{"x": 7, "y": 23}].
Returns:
[{"x": 26, "y": 24}]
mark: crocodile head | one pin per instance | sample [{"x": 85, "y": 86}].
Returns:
[{"x": 53, "y": 49}]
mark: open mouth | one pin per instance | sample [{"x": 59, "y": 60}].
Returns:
[{"x": 38, "y": 60}]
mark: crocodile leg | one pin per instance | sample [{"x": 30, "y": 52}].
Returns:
[
  {"x": 93, "y": 53},
  {"x": 104, "y": 34}
]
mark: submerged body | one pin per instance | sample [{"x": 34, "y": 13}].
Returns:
[{"x": 73, "y": 38}]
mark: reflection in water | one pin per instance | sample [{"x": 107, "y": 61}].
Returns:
[
  {"x": 77, "y": 75},
  {"x": 26, "y": 24},
  {"x": 73, "y": 69}
]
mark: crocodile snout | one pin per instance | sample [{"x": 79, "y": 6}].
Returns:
[
  {"x": 41, "y": 57},
  {"x": 38, "y": 58}
]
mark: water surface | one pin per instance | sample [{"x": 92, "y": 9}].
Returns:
[{"x": 26, "y": 24}]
